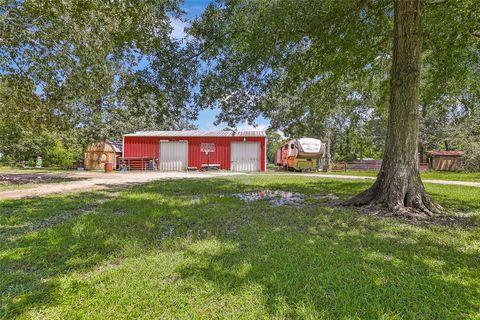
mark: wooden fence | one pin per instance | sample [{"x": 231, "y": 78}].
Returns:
[{"x": 369, "y": 165}]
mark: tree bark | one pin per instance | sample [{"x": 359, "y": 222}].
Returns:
[{"x": 398, "y": 185}]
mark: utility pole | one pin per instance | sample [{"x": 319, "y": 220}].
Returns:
[{"x": 327, "y": 167}]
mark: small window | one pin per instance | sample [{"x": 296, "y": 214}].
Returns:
[{"x": 292, "y": 146}]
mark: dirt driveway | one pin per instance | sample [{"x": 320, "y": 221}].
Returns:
[{"x": 88, "y": 181}]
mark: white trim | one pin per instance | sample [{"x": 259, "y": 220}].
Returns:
[{"x": 265, "y": 159}]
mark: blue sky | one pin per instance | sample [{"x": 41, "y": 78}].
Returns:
[{"x": 194, "y": 8}]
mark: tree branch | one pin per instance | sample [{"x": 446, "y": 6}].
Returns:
[{"x": 208, "y": 45}]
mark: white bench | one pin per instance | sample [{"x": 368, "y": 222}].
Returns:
[{"x": 215, "y": 166}]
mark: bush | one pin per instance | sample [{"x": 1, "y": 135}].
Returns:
[
  {"x": 472, "y": 157},
  {"x": 54, "y": 148},
  {"x": 57, "y": 154}
]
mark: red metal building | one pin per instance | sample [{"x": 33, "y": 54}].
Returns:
[{"x": 179, "y": 150}]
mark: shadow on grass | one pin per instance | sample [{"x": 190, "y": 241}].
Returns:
[{"x": 331, "y": 260}]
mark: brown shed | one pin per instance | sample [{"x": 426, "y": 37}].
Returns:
[
  {"x": 446, "y": 160},
  {"x": 99, "y": 153}
]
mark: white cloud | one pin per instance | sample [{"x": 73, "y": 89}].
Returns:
[{"x": 178, "y": 26}]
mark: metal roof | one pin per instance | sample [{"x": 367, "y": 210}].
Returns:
[
  {"x": 196, "y": 133},
  {"x": 117, "y": 146},
  {"x": 446, "y": 153}
]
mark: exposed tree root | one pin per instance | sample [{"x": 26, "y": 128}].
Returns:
[{"x": 400, "y": 195}]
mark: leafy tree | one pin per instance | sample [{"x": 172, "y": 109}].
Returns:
[
  {"x": 453, "y": 125},
  {"x": 466, "y": 136},
  {"x": 92, "y": 69},
  {"x": 275, "y": 141},
  {"x": 301, "y": 62}
]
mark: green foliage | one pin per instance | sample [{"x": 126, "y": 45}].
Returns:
[
  {"x": 456, "y": 125},
  {"x": 464, "y": 134},
  {"x": 56, "y": 153},
  {"x": 275, "y": 141},
  {"x": 151, "y": 252},
  {"x": 472, "y": 157},
  {"x": 296, "y": 62},
  {"x": 29, "y": 129},
  {"x": 99, "y": 69},
  {"x": 95, "y": 70},
  {"x": 323, "y": 65}
]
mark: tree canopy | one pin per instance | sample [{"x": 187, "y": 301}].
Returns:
[
  {"x": 90, "y": 70},
  {"x": 313, "y": 66},
  {"x": 303, "y": 63},
  {"x": 72, "y": 72}
]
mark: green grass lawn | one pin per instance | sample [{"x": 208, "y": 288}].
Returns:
[
  {"x": 432, "y": 175},
  {"x": 190, "y": 250},
  {"x": 4, "y": 169}
]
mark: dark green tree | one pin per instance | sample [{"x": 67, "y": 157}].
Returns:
[
  {"x": 91, "y": 70},
  {"x": 275, "y": 141},
  {"x": 300, "y": 62}
]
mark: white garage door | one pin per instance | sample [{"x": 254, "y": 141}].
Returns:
[
  {"x": 173, "y": 155},
  {"x": 245, "y": 156}
]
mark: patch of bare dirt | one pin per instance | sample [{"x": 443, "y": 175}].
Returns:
[{"x": 19, "y": 178}]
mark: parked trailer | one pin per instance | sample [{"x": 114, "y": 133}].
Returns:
[{"x": 300, "y": 154}]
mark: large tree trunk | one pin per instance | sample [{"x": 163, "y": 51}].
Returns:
[{"x": 398, "y": 185}]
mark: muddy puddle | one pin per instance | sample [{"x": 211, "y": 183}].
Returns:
[
  {"x": 276, "y": 198},
  {"x": 285, "y": 198}
]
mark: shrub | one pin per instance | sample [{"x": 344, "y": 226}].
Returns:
[
  {"x": 56, "y": 154},
  {"x": 472, "y": 157}
]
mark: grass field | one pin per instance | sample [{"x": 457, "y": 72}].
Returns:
[
  {"x": 191, "y": 250},
  {"x": 432, "y": 175},
  {"x": 4, "y": 169}
]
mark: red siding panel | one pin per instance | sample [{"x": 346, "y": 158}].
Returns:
[{"x": 136, "y": 146}]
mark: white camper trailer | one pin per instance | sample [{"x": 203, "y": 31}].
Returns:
[{"x": 300, "y": 154}]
